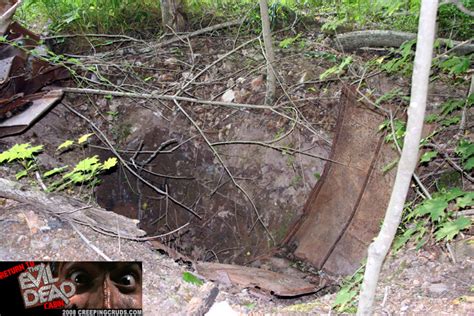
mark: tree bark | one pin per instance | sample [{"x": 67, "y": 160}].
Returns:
[
  {"x": 173, "y": 15},
  {"x": 382, "y": 38},
  {"x": 270, "y": 55},
  {"x": 409, "y": 158}
]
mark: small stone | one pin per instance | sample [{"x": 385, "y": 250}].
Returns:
[
  {"x": 416, "y": 282},
  {"x": 228, "y": 96},
  {"x": 437, "y": 288},
  {"x": 221, "y": 308}
]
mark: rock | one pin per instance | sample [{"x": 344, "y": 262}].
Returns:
[
  {"x": 221, "y": 308},
  {"x": 437, "y": 288},
  {"x": 228, "y": 96},
  {"x": 201, "y": 303}
]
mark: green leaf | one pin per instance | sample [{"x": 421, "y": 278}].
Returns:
[
  {"x": 390, "y": 166},
  {"x": 336, "y": 69},
  {"x": 191, "y": 278},
  {"x": 451, "y": 194},
  {"x": 452, "y": 105},
  {"x": 109, "y": 163},
  {"x": 54, "y": 171},
  {"x": 469, "y": 164},
  {"x": 87, "y": 164},
  {"x": 20, "y": 152},
  {"x": 451, "y": 121},
  {"x": 84, "y": 138},
  {"x": 466, "y": 200},
  {"x": 343, "y": 298},
  {"x": 287, "y": 42},
  {"x": 428, "y": 156},
  {"x": 400, "y": 241},
  {"x": 456, "y": 65},
  {"x": 434, "y": 207},
  {"x": 68, "y": 143},
  {"x": 392, "y": 94},
  {"x": 450, "y": 229},
  {"x": 465, "y": 149},
  {"x": 21, "y": 174},
  {"x": 431, "y": 118}
]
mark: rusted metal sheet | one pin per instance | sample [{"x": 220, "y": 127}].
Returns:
[
  {"x": 246, "y": 277},
  {"x": 345, "y": 209},
  {"x": 22, "y": 76},
  {"x": 37, "y": 104},
  {"x": 7, "y": 9}
]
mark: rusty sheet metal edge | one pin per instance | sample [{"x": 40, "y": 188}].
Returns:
[
  {"x": 41, "y": 102},
  {"x": 337, "y": 253}
]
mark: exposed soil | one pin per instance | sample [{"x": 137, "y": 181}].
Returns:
[{"x": 179, "y": 161}]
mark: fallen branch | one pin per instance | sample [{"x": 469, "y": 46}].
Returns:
[
  {"x": 382, "y": 38},
  {"x": 165, "y": 97},
  {"x": 193, "y": 100},
  {"x": 102, "y": 136},
  {"x": 145, "y": 50}
]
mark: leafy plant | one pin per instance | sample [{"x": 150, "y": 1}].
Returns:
[
  {"x": 289, "y": 41},
  {"x": 403, "y": 62},
  {"x": 440, "y": 213},
  {"x": 86, "y": 171},
  {"x": 191, "y": 278},
  {"x": 392, "y": 95},
  {"x": 396, "y": 133},
  {"x": 455, "y": 65},
  {"x": 465, "y": 150},
  {"x": 336, "y": 70},
  {"x": 25, "y": 155},
  {"x": 345, "y": 301}
]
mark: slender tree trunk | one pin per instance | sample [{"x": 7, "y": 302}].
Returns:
[
  {"x": 173, "y": 15},
  {"x": 270, "y": 55},
  {"x": 409, "y": 158}
]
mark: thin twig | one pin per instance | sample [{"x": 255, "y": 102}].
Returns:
[
  {"x": 124, "y": 163},
  {"x": 89, "y": 243},
  {"x": 415, "y": 176},
  {"x": 451, "y": 162},
  {"x": 164, "y": 97},
  {"x": 216, "y": 154},
  {"x": 214, "y": 63},
  {"x": 279, "y": 148}
]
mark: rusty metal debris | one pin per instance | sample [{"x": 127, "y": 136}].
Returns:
[
  {"x": 345, "y": 208},
  {"x": 22, "y": 75}
]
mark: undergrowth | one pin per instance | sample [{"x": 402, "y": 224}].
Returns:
[
  {"x": 85, "y": 172},
  {"x": 435, "y": 217},
  {"x": 142, "y": 18}
]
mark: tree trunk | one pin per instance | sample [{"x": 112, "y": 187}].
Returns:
[
  {"x": 409, "y": 158},
  {"x": 173, "y": 15},
  {"x": 269, "y": 53}
]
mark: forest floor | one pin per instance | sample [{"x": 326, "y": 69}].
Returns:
[
  {"x": 434, "y": 280},
  {"x": 423, "y": 282}
]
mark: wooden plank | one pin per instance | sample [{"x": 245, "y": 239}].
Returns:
[{"x": 246, "y": 277}]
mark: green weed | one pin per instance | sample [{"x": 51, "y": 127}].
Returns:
[{"x": 85, "y": 171}]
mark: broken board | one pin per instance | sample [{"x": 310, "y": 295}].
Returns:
[
  {"x": 346, "y": 207},
  {"x": 246, "y": 277}
]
